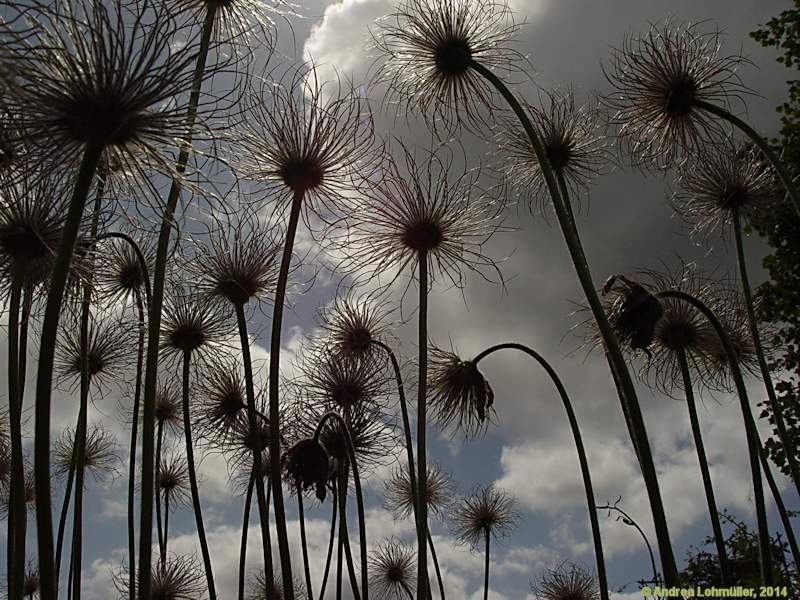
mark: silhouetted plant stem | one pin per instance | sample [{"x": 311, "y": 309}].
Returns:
[
  {"x": 245, "y": 524},
  {"x": 343, "y": 533},
  {"x": 261, "y": 499},
  {"x": 780, "y": 506},
  {"x": 340, "y": 544},
  {"x": 719, "y": 540},
  {"x": 17, "y": 524},
  {"x": 435, "y": 566},
  {"x": 44, "y": 376},
  {"x": 274, "y": 413},
  {"x": 62, "y": 522},
  {"x": 584, "y": 463},
  {"x": 198, "y": 514},
  {"x": 330, "y": 545},
  {"x": 488, "y": 537},
  {"x": 628, "y": 396},
  {"x": 626, "y": 518},
  {"x": 154, "y": 318},
  {"x": 753, "y": 445},
  {"x": 161, "y": 546},
  {"x": 762, "y": 144},
  {"x": 422, "y": 465},
  {"x": 301, "y": 516},
  {"x": 166, "y": 531},
  {"x": 777, "y": 411},
  {"x": 134, "y": 438}
]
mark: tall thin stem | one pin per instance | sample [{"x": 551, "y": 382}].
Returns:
[
  {"x": 330, "y": 546},
  {"x": 162, "y": 547},
  {"x": 62, "y": 521},
  {"x": 274, "y": 413},
  {"x": 488, "y": 537},
  {"x": 762, "y": 144},
  {"x": 344, "y": 538},
  {"x": 626, "y": 518},
  {"x": 154, "y": 320},
  {"x": 779, "y": 505},
  {"x": 753, "y": 445},
  {"x": 166, "y": 531},
  {"x": 302, "y": 517},
  {"x": 134, "y": 438},
  {"x": 579, "y": 447},
  {"x": 258, "y": 468},
  {"x": 627, "y": 396},
  {"x": 245, "y": 524},
  {"x": 436, "y": 565},
  {"x": 719, "y": 540},
  {"x": 198, "y": 514},
  {"x": 777, "y": 411},
  {"x": 44, "y": 375},
  {"x": 422, "y": 465},
  {"x": 17, "y": 525}
]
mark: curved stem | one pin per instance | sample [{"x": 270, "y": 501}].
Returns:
[
  {"x": 154, "y": 320},
  {"x": 245, "y": 524},
  {"x": 258, "y": 469},
  {"x": 753, "y": 445},
  {"x": 15, "y": 551},
  {"x": 302, "y": 517},
  {"x": 62, "y": 521},
  {"x": 198, "y": 514},
  {"x": 762, "y": 144},
  {"x": 134, "y": 438},
  {"x": 579, "y": 447},
  {"x": 488, "y": 537},
  {"x": 351, "y": 570},
  {"x": 777, "y": 411},
  {"x": 784, "y": 515},
  {"x": 274, "y": 413},
  {"x": 44, "y": 375},
  {"x": 627, "y": 397},
  {"x": 139, "y": 258},
  {"x": 422, "y": 464},
  {"x": 330, "y": 547},
  {"x": 719, "y": 540},
  {"x": 161, "y": 545},
  {"x": 436, "y": 565},
  {"x": 630, "y": 522}
]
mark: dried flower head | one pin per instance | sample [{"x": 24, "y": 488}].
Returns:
[
  {"x": 660, "y": 80},
  {"x": 192, "y": 325},
  {"x": 488, "y": 511},
  {"x": 168, "y": 406},
  {"x": 566, "y": 582},
  {"x": 427, "y": 49},
  {"x": 392, "y": 571},
  {"x": 239, "y": 262},
  {"x": 424, "y": 211},
  {"x": 724, "y": 180},
  {"x": 244, "y": 440},
  {"x": 242, "y": 24},
  {"x": 120, "y": 274},
  {"x": 352, "y": 324},
  {"x": 306, "y": 140},
  {"x": 178, "y": 578},
  {"x": 344, "y": 382},
  {"x": 29, "y": 494},
  {"x": 100, "y": 453},
  {"x": 220, "y": 403},
  {"x": 259, "y": 588},
  {"x": 81, "y": 74},
  {"x": 307, "y": 464},
  {"x": 458, "y": 393},
  {"x": 399, "y": 496},
  {"x": 729, "y": 307},
  {"x": 31, "y": 583},
  {"x": 573, "y": 143},
  {"x": 634, "y": 313},
  {"x": 5, "y": 463},
  {"x": 173, "y": 479}
]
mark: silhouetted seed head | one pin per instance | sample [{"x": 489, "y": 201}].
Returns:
[
  {"x": 173, "y": 479},
  {"x": 300, "y": 139},
  {"x": 260, "y": 589},
  {"x": 5, "y": 463},
  {"x": 423, "y": 210},
  {"x": 81, "y": 73},
  {"x": 488, "y": 511},
  {"x": 459, "y": 395},
  {"x": 729, "y": 306},
  {"x": 573, "y": 143},
  {"x": 658, "y": 79},
  {"x": 180, "y": 578},
  {"x": 566, "y": 582},
  {"x": 351, "y": 324},
  {"x": 30, "y": 582},
  {"x": 168, "y": 406},
  {"x": 426, "y": 49},
  {"x": 344, "y": 382},
  {"x": 192, "y": 324},
  {"x": 100, "y": 453},
  {"x": 392, "y": 571},
  {"x": 634, "y": 314},
  {"x": 29, "y": 494},
  {"x": 307, "y": 464},
  {"x": 220, "y": 402},
  {"x": 242, "y": 24},
  {"x": 723, "y": 180},
  {"x": 120, "y": 274},
  {"x": 399, "y": 496}
]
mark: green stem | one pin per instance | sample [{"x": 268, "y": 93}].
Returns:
[
  {"x": 245, "y": 525},
  {"x": 258, "y": 468},
  {"x": 753, "y": 445},
  {"x": 581, "y": 450},
  {"x": 762, "y": 144},
  {"x": 44, "y": 375},
  {"x": 488, "y": 537},
  {"x": 628, "y": 396},
  {"x": 436, "y": 566},
  {"x": 330, "y": 547},
  {"x": 154, "y": 320},
  {"x": 777, "y": 412},
  {"x": 422, "y": 465},
  {"x": 198, "y": 514},
  {"x": 301, "y": 516},
  {"x": 134, "y": 438},
  {"x": 274, "y": 402},
  {"x": 719, "y": 540}
]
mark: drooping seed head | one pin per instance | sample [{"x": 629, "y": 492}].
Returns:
[
  {"x": 634, "y": 314},
  {"x": 307, "y": 464}
]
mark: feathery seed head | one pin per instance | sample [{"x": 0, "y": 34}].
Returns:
[
  {"x": 488, "y": 511},
  {"x": 100, "y": 453},
  {"x": 259, "y": 588},
  {"x": 399, "y": 496},
  {"x": 566, "y": 582},
  {"x": 634, "y": 313},
  {"x": 307, "y": 464},
  {"x": 173, "y": 479},
  {"x": 192, "y": 324},
  {"x": 351, "y": 325},
  {"x": 392, "y": 571},
  {"x": 168, "y": 406},
  {"x": 220, "y": 403}
]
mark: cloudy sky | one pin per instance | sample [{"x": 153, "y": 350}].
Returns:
[{"x": 626, "y": 224}]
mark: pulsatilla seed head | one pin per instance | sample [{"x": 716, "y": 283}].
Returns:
[
  {"x": 679, "y": 95},
  {"x": 453, "y": 55},
  {"x": 422, "y": 236},
  {"x": 636, "y": 314},
  {"x": 302, "y": 174},
  {"x": 307, "y": 463}
]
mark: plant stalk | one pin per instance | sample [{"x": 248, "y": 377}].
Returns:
[
  {"x": 302, "y": 517},
  {"x": 245, "y": 525},
  {"x": 330, "y": 545},
  {"x": 422, "y": 464},
  {"x": 488, "y": 537},
  {"x": 134, "y": 438}
]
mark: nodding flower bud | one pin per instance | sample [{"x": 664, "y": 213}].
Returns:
[
  {"x": 307, "y": 463},
  {"x": 635, "y": 313}
]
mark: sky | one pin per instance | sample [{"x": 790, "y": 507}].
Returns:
[{"x": 626, "y": 224}]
